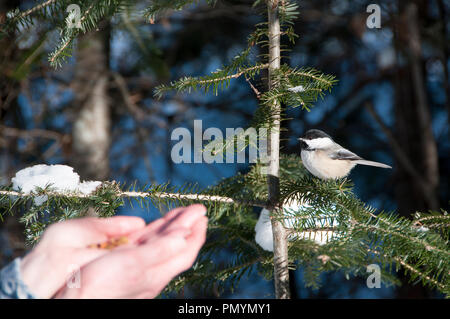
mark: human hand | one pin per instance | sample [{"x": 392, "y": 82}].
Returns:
[
  {"x": 63, "y": 246},
  {"x": 152, "y": 257}
]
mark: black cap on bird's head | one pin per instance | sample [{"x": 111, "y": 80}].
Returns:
[{"x": 312, "y": 134}]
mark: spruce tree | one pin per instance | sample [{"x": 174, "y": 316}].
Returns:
[{"x": 360, "y": 235}]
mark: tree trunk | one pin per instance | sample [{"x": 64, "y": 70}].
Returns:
[
  {"x": 418, "y": 191},
  {"x": 414, "y": 125},
  {"x": 281, "y": 270},
  {"x": 91, "y": 128},
  {"x": 12, "y": 238}
]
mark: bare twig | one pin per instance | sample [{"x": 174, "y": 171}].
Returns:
[
  {"x": 135, "y": 111},
  {"x": 34, "y": 133},
  {"x": 255, "y": 90},
  {"x": 60, "y": 139}
]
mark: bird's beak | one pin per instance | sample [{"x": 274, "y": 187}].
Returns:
[{"x": 303, "y": 144}]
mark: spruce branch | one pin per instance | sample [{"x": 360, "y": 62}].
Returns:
[
  {"x": 420, "y": 274},
  {"x": 426, "y": 245},
  {"x": 422, "y": 252},
  {"x": 235, "y": 76},
  {"x": 160, "y": 7},
  {"x": 37, "y": 8},
  {"x": 298, "y": 87},
  {"x": 412, "y": 269},
  {"x": 233, "y": 226},
  {"x": 69, "y": 35},
  {"x": 433, "y": 218},
  {"x": 288, "y": 12},
  {"x": 16, "y": 17},
  {"x": 218, "y": 79},
  {"x": 89, "y": 20},
  {"x": 195, "y": 197},
  {"x": 161, "y": 195}
]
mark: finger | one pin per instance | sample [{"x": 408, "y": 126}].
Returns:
[
  {"x": 161, "y": 248},
  {"x": 83, "y": 231},
  {"x": 119, "y": 273},
  {"x": 174, "y": 212},
  {"x": 159, "y": 224},
  {"x": 84, "y": 255},
  {"x": 181, "y": 217},
  {"x": 183, "y": 261},
  {"x": 152, "y": 237},
  {"x": 201, "y": 209},
  {"x": 118, "y": 225},
  {"x": 186, "y": 218},
  {"x": 151, "y": 228},
  {"x": 197, "y": 236}
]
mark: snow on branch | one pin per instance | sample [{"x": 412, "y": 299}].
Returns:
[{"x": 64, "y": 182}]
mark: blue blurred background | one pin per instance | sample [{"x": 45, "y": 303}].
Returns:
[{"x": 98, "y": 114}]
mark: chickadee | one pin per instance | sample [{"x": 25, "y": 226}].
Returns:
[{"x": 326, "y": 159}]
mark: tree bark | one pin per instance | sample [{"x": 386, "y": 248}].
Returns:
[
  {"x": 12, "y": 238},
  {"x": 413, "y": 126},
  {"x": 413, "y": 122},
  {"x": 281, "y": 270}
]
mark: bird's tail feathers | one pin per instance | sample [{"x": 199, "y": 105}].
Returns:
[{"x": 371, "y": 163}]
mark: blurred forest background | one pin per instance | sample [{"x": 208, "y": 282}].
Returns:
[{"x": 97, "y": 113}]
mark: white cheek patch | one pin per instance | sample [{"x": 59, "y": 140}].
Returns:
[{"x": 319, "y": 143}]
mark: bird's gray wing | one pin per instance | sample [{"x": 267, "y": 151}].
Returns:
[{"x": 343, "y": 154}]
